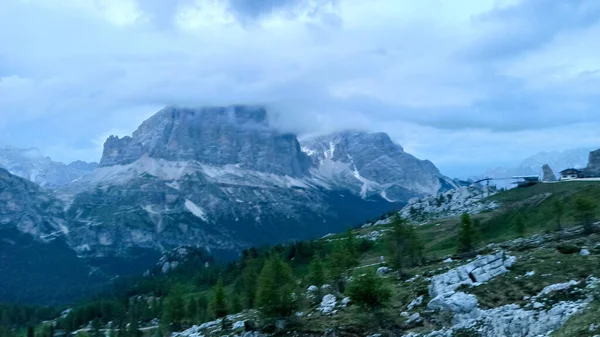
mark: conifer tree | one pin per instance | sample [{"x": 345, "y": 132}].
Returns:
[
  {"x": 368, "y": 291},
  {"x": 249, "y": 280},
  {"x": 30, "y": 332},
  {"x": 316, "y": 273},
  {"x": 218, "y": 305},
  {"x": 275, "y": 288},
  {"x": 96, "y": 326},
  {"x": 406, "y": 248},
  {"x": 467, "y": 235},
  {"x": 174, "y": 309}
]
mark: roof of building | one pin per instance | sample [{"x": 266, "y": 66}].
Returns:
[{"x": 570, "y": 171}]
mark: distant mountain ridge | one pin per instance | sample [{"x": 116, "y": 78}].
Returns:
[
  {"x": 557, "y": 160},
  {"x": 31, "y": 164}
]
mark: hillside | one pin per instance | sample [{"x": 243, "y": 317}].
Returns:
[{"x": 512, "y": 287}]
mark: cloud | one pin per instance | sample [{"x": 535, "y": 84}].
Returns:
[{"x": 476, "y": 74}]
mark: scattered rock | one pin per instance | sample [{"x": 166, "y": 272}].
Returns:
[
  {"x": 327, "y": 305},
  {"x": 414, "y": 319},
  {"x": 383, "y": 270},
  {"x": 530, "y": 273},
  {"x": 584, "y": 252},
  {"x": 346, "y": 301},
  {"x": 313, "y": 289},
  {"x": 416, "y": 302},
  {"x": 455, "y": 302}
]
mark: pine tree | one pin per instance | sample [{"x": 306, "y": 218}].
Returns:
[
  {"x": 558, "y": 210},
  {"x": 275, "y": 288},
  {"x": 349, "y": 244},
  {"x": 368, "y": 291},
  {"x": 585, "y": 211},
  {"x": 249, "y": 280},
  {"x": 467, "y": 236},
  {"x": 316, "y": 273},
  {"x": 192, "y": 310},
  {"x": 236, "y": 304},
  {"x": 30, "y": 332},
  {"x": 96, "y": 326},
  {"x": 133, "y": 330},
  {"x": 406, "y": 248},
  {"x": 174, "y": 309},
  {"x": 520, "y": 225},
  {"x": 218, "y": 305}
]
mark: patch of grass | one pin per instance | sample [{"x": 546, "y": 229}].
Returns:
[
  {"x": 579, "y": 325},
  {"x": 550, "y": 267}
]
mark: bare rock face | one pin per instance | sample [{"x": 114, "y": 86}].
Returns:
[
  {"x": 548, "y": 173},
  {"x": 593, "y": 168},
  {"x": 216, "y": 136},
  {"x": 28, "y": 208},
  {"x": 371, "y": 163}
]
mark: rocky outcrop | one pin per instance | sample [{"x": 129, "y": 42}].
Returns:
[
  {"x": 548, "y": 174},
  {"x": 451, "y": 203},
  {"x": 372, "y": 164},
  {"x": 482, "y": 269},
  {"x": 593, "y": 167},
  {"x": 32, "y": 165}
]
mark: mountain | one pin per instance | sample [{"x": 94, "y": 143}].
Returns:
[
  {"x": 557, "y": 160},
  {"x": 38, "y": 265},
  {"x": 222, "y": 178},
  {"x": 372, "y": 164},
  {"x": 31, "y": 164},
  {"x": 83, "y": 166}
]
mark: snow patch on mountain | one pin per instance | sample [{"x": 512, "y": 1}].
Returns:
[{"x": 196, "y": 210}]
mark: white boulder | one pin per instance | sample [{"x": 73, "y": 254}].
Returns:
[{"x": 327, "y": 305}]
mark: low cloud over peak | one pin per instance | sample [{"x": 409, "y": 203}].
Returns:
[{"x": 487, "y": 79}]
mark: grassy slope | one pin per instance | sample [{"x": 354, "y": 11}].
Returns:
[{"x": 440, "y": 236}]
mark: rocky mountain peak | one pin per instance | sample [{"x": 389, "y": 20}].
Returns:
[
  {"x": 217, "y": 136},
  {"x": 373, "y": 163}
]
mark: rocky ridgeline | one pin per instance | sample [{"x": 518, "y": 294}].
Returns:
[{"x": 450, "y": 203}]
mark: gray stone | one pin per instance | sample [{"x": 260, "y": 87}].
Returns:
[
  {"x": 548, "y": 174},
  {"x": 455, "y": 302}
]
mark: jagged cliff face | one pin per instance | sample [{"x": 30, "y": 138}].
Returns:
[
  {"x": 372, "y": 164},
  {"x": 25, "y": 206},
  {"x": 219, "y": 178},
  {"x": 236, "y": 135}
]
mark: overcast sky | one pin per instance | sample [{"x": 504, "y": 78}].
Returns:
[{"x": 468, "y": 84}]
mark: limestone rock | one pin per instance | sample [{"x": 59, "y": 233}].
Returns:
[
  {"x": 482, "y": 269},
  {"x": 548, "y": 174},
  {"x": 593, "y": 167},
  {"x": 455, "y": 302},
  {"x": 328, "y": 304}
]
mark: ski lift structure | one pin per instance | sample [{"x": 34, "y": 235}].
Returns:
[{"x": 520, "y": 181}]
